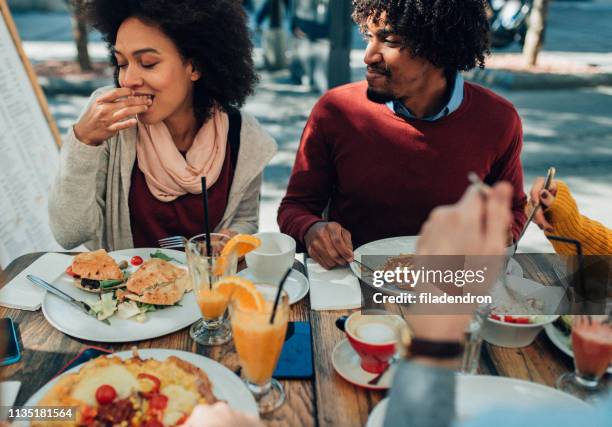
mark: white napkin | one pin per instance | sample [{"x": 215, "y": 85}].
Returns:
[
  {"x": 336, "y": 289},
  {"x": 8, "y": 392},
  {"x": 21, "y": 294}
]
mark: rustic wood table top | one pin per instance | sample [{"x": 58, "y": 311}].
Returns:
[{"x": 325, "y": 400}]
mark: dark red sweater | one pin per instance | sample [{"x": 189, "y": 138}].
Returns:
[
  {"x": 152, "y": 219},
  {"x": 382, "y": 174}
]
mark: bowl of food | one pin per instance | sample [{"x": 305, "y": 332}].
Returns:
[
  {"x": 521, "y": 310},
  {"x": 514, "y": 331}
]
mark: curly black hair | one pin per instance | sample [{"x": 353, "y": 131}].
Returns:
[
  {"x": 213, "y": 34},
  {"x": 450, "y": 34}
]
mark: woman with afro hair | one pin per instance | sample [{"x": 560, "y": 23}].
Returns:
[{"x": 131, "y": 166}]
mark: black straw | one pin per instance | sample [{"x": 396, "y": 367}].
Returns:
[
  {"x": 207, "y": 227},
  {"x": 278, "y": 294}
]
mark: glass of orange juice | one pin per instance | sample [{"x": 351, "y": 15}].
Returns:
[
  {"x": 259, "y": 343},
  {"x": 206, "y": 270}
]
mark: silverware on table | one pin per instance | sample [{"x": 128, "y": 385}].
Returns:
[
  {"x": 80, "y": 305},
  {"x": 172, "y": 242},
  {"x": 363, "y": 266}
]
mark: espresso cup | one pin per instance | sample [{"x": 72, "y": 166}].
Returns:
[
  {"x": 274, "y": 256},
  {"x": 374, "y": 337}
]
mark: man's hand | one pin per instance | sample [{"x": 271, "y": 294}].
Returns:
[
  {"x": 220, "y": 415},
  {"x": 329, "y": 244},
  {"x": 476, "y": 225},
  {"x": 546, "y": 198}
]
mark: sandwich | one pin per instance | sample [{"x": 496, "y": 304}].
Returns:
[
  {"x": 156, "y": 282},
  {"x": 96, "y": 271}
]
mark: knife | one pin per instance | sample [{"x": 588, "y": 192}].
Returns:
[{"x": 80, "y": 305}]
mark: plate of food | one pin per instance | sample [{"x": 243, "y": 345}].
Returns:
[
  {"x": 385, "y": 254},
  {"x": 560, "y": 333},
  {"x": 479, "y": 393},
  {"x": 134, "y": 294},
  {"x": 133, "y": 387}
]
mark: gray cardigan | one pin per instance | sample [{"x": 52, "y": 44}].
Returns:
[{"x": 88, "y": 203}]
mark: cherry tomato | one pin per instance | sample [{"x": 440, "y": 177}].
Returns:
[
  {"x": 136, "y": 260},
  {"x": 158, "y": 402},
  {"x": 520, "y": 320},
  {"x": 495, "y": 317},
  {"x": 105, "y": 394}
]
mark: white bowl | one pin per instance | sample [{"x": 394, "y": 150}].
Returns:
[{"x": 513, "y": 335}]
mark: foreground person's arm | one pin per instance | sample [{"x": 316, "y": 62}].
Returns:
[
  {"x": 220, "y": 415},
  {"x": 556, "y": 416},
  {"x": 423, "y": 392}
]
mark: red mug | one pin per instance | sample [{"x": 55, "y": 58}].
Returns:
[{"x": 374, "y": 337}]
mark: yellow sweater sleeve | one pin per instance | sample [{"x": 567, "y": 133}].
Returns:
[{"x": 566, "y": 220}]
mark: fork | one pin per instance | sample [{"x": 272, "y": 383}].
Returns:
[{"x": 172, "y": 242}]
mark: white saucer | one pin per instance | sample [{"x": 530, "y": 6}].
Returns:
[
  {"x": 296, "y": 285},
  {"x": 347, "y": 365},
  {"x": 514, "y": 268}
]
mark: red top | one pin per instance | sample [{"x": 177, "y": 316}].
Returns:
[
  {"x": 152, "y": 219},
  {"x": 383, "y": 174}
]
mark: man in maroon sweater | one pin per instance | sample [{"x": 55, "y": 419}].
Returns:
[{"x": 380, "y": 155}]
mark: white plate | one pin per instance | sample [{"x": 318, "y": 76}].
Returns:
[
  {"x": 226, "y": 384},
  {"x": 296, "y": 285},
  {"x": 73, "y": 322},
  {"x": 479, "y": 393},
  {"x": 561, "y": 341},
  {"x": 392, "y": 246},
  {"x": 347, "y": 364}
]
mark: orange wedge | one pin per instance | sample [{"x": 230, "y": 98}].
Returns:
[
  {"x": 241, "y": 244},
  {"x": 241, "y": 290}
]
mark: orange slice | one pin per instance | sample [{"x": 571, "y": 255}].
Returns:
[
  {"x": 241, "y": 244},
  {"x": 241, "y": 290}
]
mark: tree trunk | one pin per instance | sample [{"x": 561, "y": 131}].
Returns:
[
  {"x": 535, "y": 33},
  {"x": 80, "y": 33},
  {"x": 340, "y": 35}
]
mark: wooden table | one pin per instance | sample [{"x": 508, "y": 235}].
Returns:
[{"x": 326, "y": 400}]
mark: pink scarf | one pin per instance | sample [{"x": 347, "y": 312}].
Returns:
[{"x": 168, "y": 174}]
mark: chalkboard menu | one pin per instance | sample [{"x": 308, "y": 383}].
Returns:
[{"x": 29, "y": 155}]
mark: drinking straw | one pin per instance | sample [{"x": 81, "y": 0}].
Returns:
[
  {"x": 207, "y": 228},
  {"x": 278, "y": 294}
]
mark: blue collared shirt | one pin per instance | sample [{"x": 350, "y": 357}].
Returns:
[{"x": 453, "y": 103}]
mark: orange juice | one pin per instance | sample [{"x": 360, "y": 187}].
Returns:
[
  {"x": 258, "y": 342},
  {"x": 212, "y": 303}
]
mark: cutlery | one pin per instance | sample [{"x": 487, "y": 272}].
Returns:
[
  {"x": 82, "y": 306},
  {"x": 549, "y": 177},
  {"x": 172, "y": 242},
  {"x": 362, "y": 265}
]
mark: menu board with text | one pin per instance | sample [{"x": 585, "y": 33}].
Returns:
[{"x": 29, "y": 155}]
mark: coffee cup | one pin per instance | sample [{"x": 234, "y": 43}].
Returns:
[
  {"x": 274, "y": 256},
  {"x": 375, "y": 338}
]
